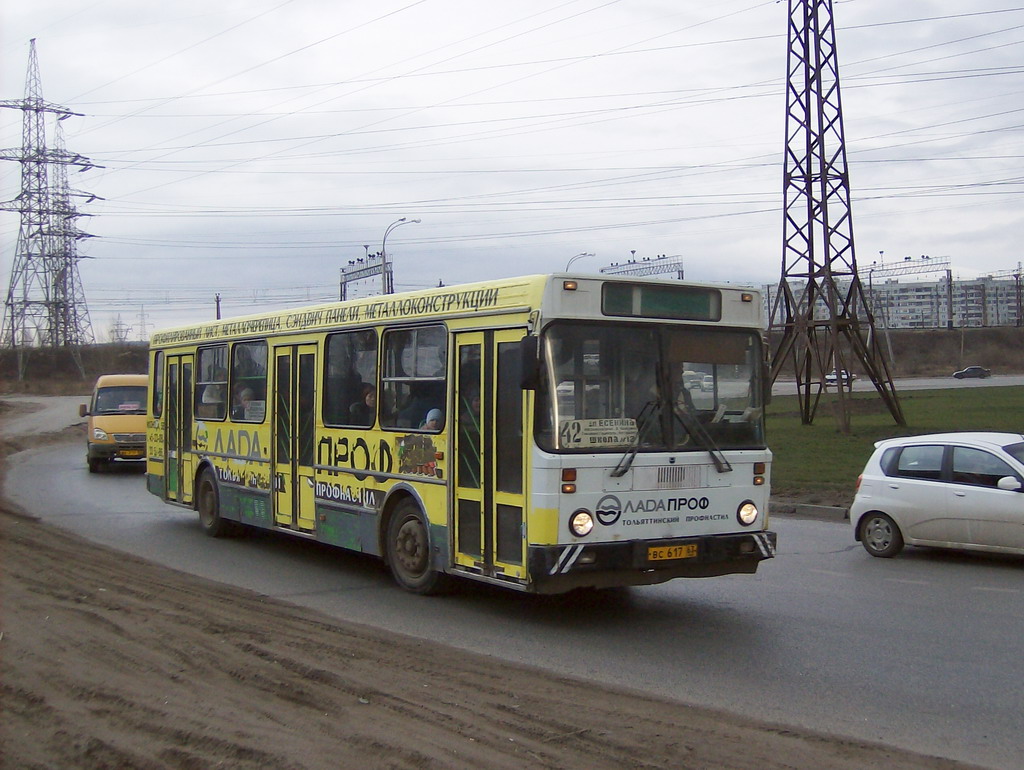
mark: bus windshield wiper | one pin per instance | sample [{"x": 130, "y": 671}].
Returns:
[
  {"x": 644, "y": 420},
  {"x": 700, "y": 434}
]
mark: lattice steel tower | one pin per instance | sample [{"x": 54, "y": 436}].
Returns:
[
  {"x": 45, "y": 304},
  {"x": 820, "y": 317}
]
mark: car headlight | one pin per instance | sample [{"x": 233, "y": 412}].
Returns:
[
  {"x": 746, "y": 514},
  {"x": 581, "y": 523},
  {"x": 99, "y": 435}
]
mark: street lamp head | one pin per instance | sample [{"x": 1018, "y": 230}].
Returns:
[
  {"x": 388, "y": 287},
  {"x": 581, "y": 255}
]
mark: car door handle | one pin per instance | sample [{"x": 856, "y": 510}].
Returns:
[{"x": 960, "y": 494}]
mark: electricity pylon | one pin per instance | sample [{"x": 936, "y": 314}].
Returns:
[
  {"x": 820, "y": 309},
  {"x": 71, "y": 324},
  {"x": 45, "y": 304}
]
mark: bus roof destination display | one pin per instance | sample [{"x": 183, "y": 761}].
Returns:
[{"x": 636, "y": 300}]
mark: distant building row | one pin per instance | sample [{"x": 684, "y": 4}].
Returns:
[{"x": 984, "y": 301}]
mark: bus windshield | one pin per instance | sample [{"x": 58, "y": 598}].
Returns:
[{"x": 610, "y": 387}]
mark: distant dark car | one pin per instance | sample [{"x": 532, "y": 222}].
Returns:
[{"x": 970, "y": 372}]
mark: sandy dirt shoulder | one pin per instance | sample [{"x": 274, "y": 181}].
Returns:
[{"x": 107, "y": 660}]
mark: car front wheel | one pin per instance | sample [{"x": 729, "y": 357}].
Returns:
[{"x": 880, "y": 536}]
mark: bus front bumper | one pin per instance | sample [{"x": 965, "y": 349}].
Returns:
[
  {"x": 116, "y": 451},
  {"x": 559, "y": 568}
]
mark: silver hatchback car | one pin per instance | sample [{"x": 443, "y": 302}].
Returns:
[{"x": 946, "y": 490}]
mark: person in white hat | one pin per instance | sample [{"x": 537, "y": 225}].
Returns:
[{"x": 433, "y": 421}]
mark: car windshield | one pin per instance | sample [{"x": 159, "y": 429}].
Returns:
[
  {"x": 645, "y": 388},
  {"x": 122, "y": 399}
]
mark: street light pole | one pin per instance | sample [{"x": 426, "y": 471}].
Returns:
[
  {"x": 387, "y": 280},
  {"x": 581, "y": 255}
]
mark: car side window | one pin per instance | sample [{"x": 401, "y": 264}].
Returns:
[
  {"x": 888, "y": 460},
  {"x": 976, "y": 466},
  {"x": 919, "y": 462}
]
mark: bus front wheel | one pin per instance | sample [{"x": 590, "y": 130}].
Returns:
[
  {"x": 408, "y": 550},
  {"x": 208, "y": 505}
]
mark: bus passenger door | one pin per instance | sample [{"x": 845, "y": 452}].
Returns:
[
  {"x": 294, "y": 416},
  {"x": 178, "y": 460},
  {"x": 490, "y": 533}
]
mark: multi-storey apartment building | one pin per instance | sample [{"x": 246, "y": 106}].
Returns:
[{"x": 984, "y": 301}]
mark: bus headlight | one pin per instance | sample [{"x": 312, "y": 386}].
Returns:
[
  {"x": 99, "y": 435},
  {"x": 747, "y": 513},
  {"x": 581, "y": 523}
]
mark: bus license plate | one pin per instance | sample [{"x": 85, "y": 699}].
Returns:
[
  {"x": 666, "y": 552},
  {"x": 131, "y": 453}
]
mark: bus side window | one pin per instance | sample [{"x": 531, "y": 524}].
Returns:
[
  {"x": 249, "y": 381},
  {"x": 212, "y": 382},
  {"x": 158, "y": 384},
  {"x": 414, "y": 379},
  {"x": 350, "y": 372}
]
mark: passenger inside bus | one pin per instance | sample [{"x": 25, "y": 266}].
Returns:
[
  {"x": 211, "y": 404},
  {"x": 423, "y": 396},
  {"x": 362, "y": 412},
  {"x": 240, "y": 406},
  {"x": 433, "y": 421}
]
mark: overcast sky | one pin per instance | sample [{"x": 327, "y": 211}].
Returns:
[{"x": 252, "y": 148}]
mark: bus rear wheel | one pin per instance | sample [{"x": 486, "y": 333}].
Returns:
[
  {"x": 208, "y": 506},
  {"x": 408, "y": 551}
]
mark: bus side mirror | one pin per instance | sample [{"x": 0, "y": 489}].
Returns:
[
  {"x": 529, "y": 358},
  {"x": 83, "y": 410}
]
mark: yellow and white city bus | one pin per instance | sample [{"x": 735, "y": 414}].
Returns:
[{"x": 543, "y": 433}]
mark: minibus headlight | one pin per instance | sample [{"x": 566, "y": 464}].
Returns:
[
  {"x": 747, "y": 513},
  {"x": 581, "y": 523},
  {"x": 99, "y": 435}
]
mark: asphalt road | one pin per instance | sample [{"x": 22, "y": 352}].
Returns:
[
  {"x": 861, "y": 385},
  {"x": 923, "y": 652}
]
